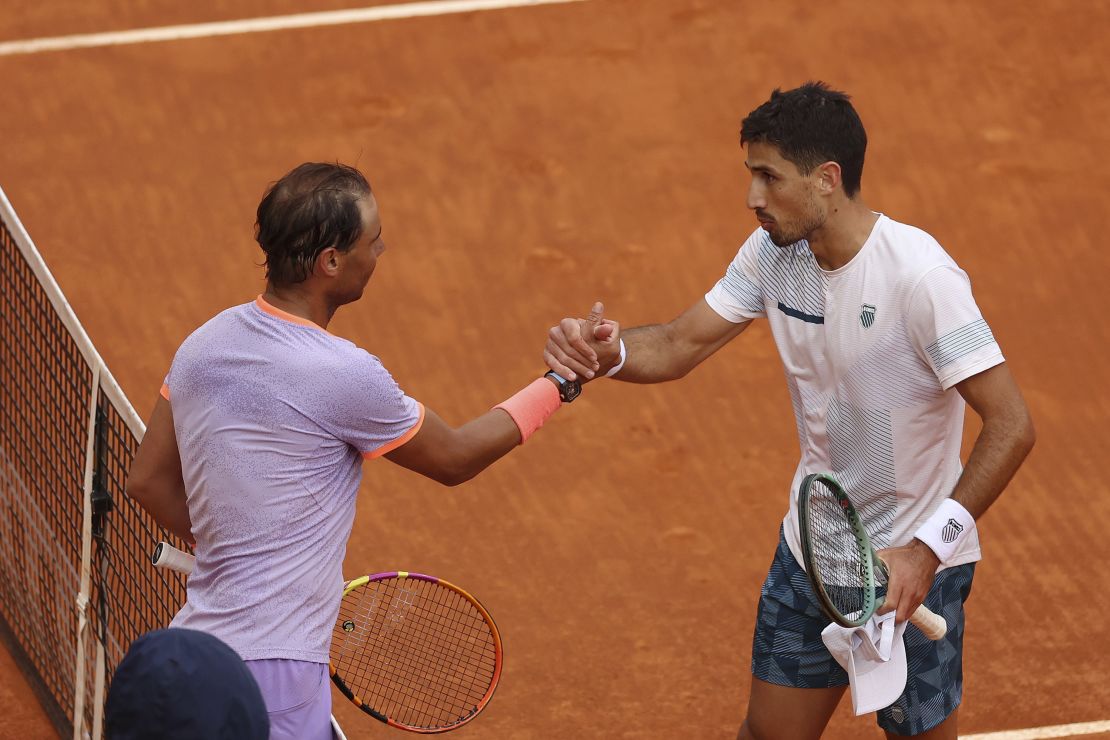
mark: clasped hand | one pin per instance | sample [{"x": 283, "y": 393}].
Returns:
[{"x": 582, "y": 349}]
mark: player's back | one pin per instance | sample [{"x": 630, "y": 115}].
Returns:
[{"x": 273, "y": 416}]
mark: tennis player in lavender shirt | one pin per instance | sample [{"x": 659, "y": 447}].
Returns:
[{"x": 254, "y": 449}]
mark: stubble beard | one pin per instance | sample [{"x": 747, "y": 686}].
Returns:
[{"x": 810, "y": 221}]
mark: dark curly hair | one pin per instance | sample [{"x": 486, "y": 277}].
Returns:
[
  {"x": 810, "y": 125},
  {"x": 313, "y": 207}
]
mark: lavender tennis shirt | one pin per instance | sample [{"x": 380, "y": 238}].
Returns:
[{"x": 274, "y": 417}]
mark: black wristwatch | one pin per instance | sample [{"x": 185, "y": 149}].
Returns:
[{"x": 568, "y": 389}]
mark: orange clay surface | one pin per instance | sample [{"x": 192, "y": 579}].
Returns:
[{"x": 530, "y": 161}]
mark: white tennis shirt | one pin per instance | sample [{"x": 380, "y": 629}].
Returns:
[{"x": 871, "y": 351}]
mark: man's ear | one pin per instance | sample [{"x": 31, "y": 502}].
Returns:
[
  {"x": 327, "y": 263},
  {"x": 828, "y": 177}
]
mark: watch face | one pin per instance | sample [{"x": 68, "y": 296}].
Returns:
[{"x": 568, "y": 389}]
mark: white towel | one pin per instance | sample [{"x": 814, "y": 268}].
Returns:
[{"x": 874, "y": 656}]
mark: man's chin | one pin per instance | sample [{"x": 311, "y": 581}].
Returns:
[
  {"x": 351, "y": 297},
  {"x": 776, "y": 238}
]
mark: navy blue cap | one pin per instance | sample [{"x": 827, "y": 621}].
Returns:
[{"x": 179, "y": 684}]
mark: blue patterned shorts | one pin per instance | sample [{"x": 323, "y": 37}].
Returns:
[{"x": 788, "y": 651}]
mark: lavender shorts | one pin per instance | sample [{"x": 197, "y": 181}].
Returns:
[{"x": 298, "y": 698}]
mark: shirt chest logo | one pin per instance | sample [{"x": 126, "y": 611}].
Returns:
[{"x": 867, "y": 315}]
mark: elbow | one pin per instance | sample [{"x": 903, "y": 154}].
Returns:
[
  {"x": 454, "y": 473},
  {"x": 451, "y": 481},
  {"x": 466, "y": 472},
  {"x": 447, "y": 479},
  {"x": 1029, "y": 434},
  {"x": 679, "y": 373},
  {"x": 467, "y": 457},
  {"x": 1019, "y": 431},
  {"x": 137, "y": 490},
  {"x": 1012, "y": 435}
]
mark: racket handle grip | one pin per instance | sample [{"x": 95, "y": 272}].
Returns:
[
  {"x": 167, "y": 556},
  {"x": 929, "y": 622}
]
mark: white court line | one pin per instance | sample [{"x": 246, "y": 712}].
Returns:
[
  {"x": 256, "y": 25},
  {"x": 1035, "y": 733}
]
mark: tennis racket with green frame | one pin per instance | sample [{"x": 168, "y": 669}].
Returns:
[{"x": 845, "y": 571}]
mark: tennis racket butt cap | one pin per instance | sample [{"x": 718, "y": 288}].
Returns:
[{"x": 930, "y": 623}]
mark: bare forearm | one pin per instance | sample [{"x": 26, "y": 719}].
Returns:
[
  {"x": 179, "y": 522},
  {"x": 663, "y": 352},
  {"x": 1002, "y": 445},
  {"x": 155, "y": 480},
  {"x": 650, "y": 356},
  {"x": 654, "y": 354},
  {"x": 452, "y": 456},
  {"x": 167, "y": 505},
  {"x": 482, "y": 442}
]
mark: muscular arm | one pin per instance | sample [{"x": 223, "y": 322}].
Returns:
[
  {"x": 669, "y": 351},
  {"x": 655, "y": 353},
  {"x": 155, "y": 480},
  {"x": 1006, "y": 438},
  {"x": 452, "y": 456}
]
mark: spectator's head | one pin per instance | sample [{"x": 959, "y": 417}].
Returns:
[{"x": 179, "y": 684}]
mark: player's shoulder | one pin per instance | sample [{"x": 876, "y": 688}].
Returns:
[
  {"x": 911, "y": 250},
  {"x": 348, "y": 354},
  {"x": 348, "y": 364},
  {"x": 220, "y": 325}
]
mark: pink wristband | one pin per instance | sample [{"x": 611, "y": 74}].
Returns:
[{"x": 531, "y": 406}]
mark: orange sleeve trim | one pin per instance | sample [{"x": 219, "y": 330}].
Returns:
[
  {"x": 285, "y": 315},
  {"x": 165, "y": 392},
  {"x": 390, "y": 446}
]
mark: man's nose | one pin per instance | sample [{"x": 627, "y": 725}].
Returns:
[{"x": 755, "y": 198}]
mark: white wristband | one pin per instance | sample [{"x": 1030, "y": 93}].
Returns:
[
  {"x": 946, "y": 530},
  {"x": 620, "y": 363}
]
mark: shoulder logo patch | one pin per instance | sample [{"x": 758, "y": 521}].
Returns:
[{"x": 867, "y": 315}]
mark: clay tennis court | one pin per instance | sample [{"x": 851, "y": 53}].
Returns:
[{"x": 528, "y": 161}]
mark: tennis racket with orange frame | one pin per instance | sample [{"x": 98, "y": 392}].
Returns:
[{"x": 411, "y": 650}]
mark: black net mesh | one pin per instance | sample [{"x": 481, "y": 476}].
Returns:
[{"x": 45, "y": 388}]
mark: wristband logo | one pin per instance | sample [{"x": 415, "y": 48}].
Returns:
[{"x": 951, "y": 531}]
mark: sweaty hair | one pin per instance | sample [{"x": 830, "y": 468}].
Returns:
[
  {"x": 810, "y": 125},
  {"x": 313, "y": 207}
]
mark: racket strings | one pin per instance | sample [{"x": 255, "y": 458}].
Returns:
[
  {"x": 416, "y": 651},
  {"x": 837, "y": 556},
  {"x": 418, "y": 655},
  {"x": 423, "y": 655}
]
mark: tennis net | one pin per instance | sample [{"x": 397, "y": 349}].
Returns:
[{"x": 76, "y": 583}]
